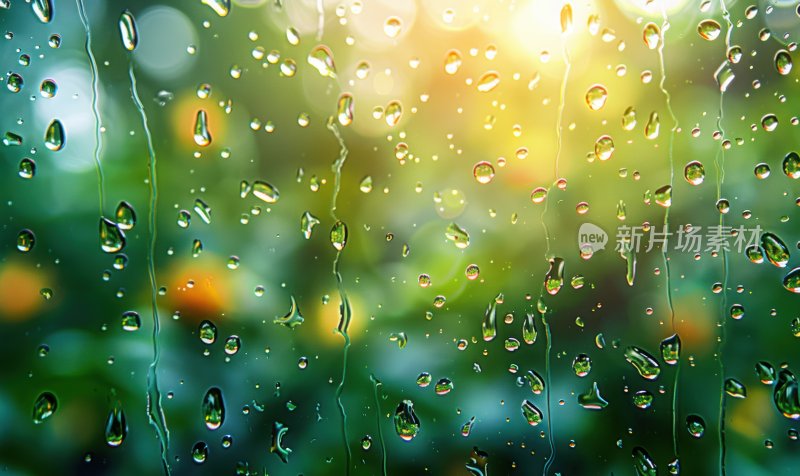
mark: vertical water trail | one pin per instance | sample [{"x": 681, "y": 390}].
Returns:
[
  {"x": 320, "y": 19},
  {"x": 375, "y": 384},
  {"x": 665, "y": 247},
  {"x": 98, "y": 139},
  {"x": 566, "y": 26},
  {"x": 344, "y": 302},
  {"x": 155, "y": 412},
  {"x": 719, "y": 163}
]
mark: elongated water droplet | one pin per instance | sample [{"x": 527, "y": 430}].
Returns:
[
  {"x": 27, "y": 168},
  {"x": 604, "y": 147},
  {"x": 735, "y": 388},
  {"x": 554, "y": 279},
  {"x": 220, "y": 7},
  {"x": 792, "y": 280},
  {"x": 25, "y": 240},
  {"x": 529, "y": 329},
  {"x": 393, "y": 113},
  {"x": 783, "y": 62},
  {"x": 466, "y": 428},
  {"x": 566, "y": 18},
  {"x": 488, "y": 81},
  {"x": 535, "y": 382},
  {"x": 54, "y": 136},
  {"x": 651, "y": 34},
  {"x": 338, "y": 235},
  {"x": 592, "y": 400},
  {"x": 582, "y": 365},
  {"x": 671, "y": 349},
  {"x": 775, "y": 249},
  {"x": 652, "y": 127},
  {"x": 291, "y": 319},
  {"x": 458, "y": 235},
  {"x": 202, "y": 136},
  {"x": 724, "y": 76},
  {"x": 213, "y": 408},
  {"x": 116, "y": 425},
  {"x": 307, "y": 224},
  {"x": 44, "y": 407},
  {"x": 406, "y": 423},
  {"x": 643, "y": 464},
  {"x": 709, "y": 29},
  {"x": 644, "y": 363},
  {"x": 489, "y": 324},
  {"x": 345, "y": 109},
  {"x": 207, "y": 332},
  {"x": 127, "y": 31},
  {"x": 443, "y": 386},
  {"x": 112, "y": 239},
  {"x": 265, "y": 191},
  {"x": 629, "y": 119},
  {"x": 531, "y": 413},
  {"x": 43, "y": 9},
  {"x": 452, "y": 62},
  {"x": 787, "y": 395},
  {"x": 278, "y": 432},
  {"x": 321, "y": 58}
]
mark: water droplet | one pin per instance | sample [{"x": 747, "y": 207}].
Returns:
[
  {"x": 200, "y": 452},
  {"x": 44, "y": 407},
  {"x": 694, "y": 172},
  {"x": 765, "y": 372},
  {"x": 592, "y": 400},
  {"x": 265, "y": 191},
  {"x": 291, "y": 319},
  {"x": 643, "y": 463},
  {"x": 48, "y": 88},
  {"x": 724, "y": 76},
  {"x": 14, "y": 83},
  {"x": 531, "y": 413},
  {"x": 695, "y": 425},
  {"x": 207, "y": 332},
  {"x": 125, "y": 216},
  {"x": 604, "y": 147},
  {"x": 488, "y": 81},
  {"x": 213, "y": 408},
  {"x": 709, "y": 29},
  {"x": 127, "y": 31},
  {"x": 54, "y": 136},
  {"x": 787, "y": 395},
  {"x": 651, "y": 34},
  {"x": 776, "y": 250},
  {"x": 644, "y": 363},
  {"x": 483, "y": 172},
  {"x": 792, "y": 280},
  {"x": 203, "y": 210},
  {"x": 735, "y": 388},
  {"x": 629, "y": 119},
  {"x": 443, "y": 386},
  {"x": 783, "y": 62},
  {"x": 338, "y": 235},
  {"x": 663, "y": 196},
  {"x": 406, "y": 423},
  {"x": 220, "y": 7},
  {"x": 366, "y": 443},
  {"x": 652, "y": 127},
  {"x": 671, "y": 349},
  {"x": 566, "y": 18},
  {"x": 596, "y": 97},
  {"x": 392, "y": 27},
  {"x": 112, "y": 239},
  {"x": 43, "y": 9},
  {"x": 466, "y": 428},
  {"x": 321, "y": 58},
  {"x": 791, "y": 165},
  {"x": 27, "y": 168},
  {"x": 554, "y": 279},
  {"x": 202, "y": 136},
  {"x": 452, "y": 62},
  {"x": 458, "y": 235},
  {"x": 25, "y": 240},
  {"x": 345, "y": 109},
  {"x": 643, "y": 399},
  {"x": 131, "y": 321},
  {"x": 393, "y": 113},
  {"x": 116, "y": 425},
  {"x": 307, "y": 224},
  {"x": 769, "y": 122}
]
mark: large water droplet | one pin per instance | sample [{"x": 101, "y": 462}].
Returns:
[
  {"x": 344, "y": 109},
  {"x": 671, "y": 349},
  {"x": 44, "y": 407},
  {"x": 54, "y": 136},
  {"x": 531, "y": 413},
  {"x": 643, "y": 362},
  {"x": 112, "y": 239},
  {"x": 488, "y": 81},
  {"x": 127, "y": 31},
  {"x": 265, "y": 191},
  {"x": 776, "y": 250},
  {"x": 213, "y": 408},
  {"x": 202, "y": 136},
  {"x": 457, "y": 235},
  {"x": 596, "y": 97},
  {"x": 43, "y": 9},
  {"x": 787, "y": 395},
  {"x": 125, "y": 216},
  {"x": 694, "y": 172},
  {"x": 709, "y": 29},
  {"x": 25, "y": 240},
  {"x": 406, "y": 423},
  {"x": 321, "y": 58},
  {"x": 116, "y": 426},
  {"x": 783, "y": 62},
  {"x": 452, "y": 62},
  {"x": 651, "y": 34},
  {"x": 220, "y": 7}
]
